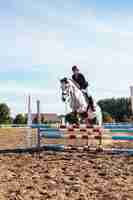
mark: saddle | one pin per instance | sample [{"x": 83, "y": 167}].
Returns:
[{"x": 88, "y": 99}]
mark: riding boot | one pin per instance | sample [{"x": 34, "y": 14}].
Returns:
[
  {"x": 89, "y": 99},
  {"x": 91, "y": 103}
]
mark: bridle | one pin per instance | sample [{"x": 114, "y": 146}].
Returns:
[{"x": 66, "y": 92}]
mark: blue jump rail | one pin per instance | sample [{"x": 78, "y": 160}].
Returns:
[
  {"x": 52, "y": 135},
  {"x": 40, "y": 126},
  {"x": 49, "y": 130}
]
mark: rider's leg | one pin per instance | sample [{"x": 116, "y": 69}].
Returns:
[
  {"x": 90, "y": 100},
  {"x": 91, "y": 103}
]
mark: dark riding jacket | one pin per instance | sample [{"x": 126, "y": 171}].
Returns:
[{"x": 80, "y": 79}]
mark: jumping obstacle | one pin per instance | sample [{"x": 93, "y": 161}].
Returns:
[
  {"x": 48, "y": 132},
  {"x": 58, "y": 134},
  {"x": 75, "y": 131}
]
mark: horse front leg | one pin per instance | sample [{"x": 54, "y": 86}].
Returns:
[
  {"x": 76, "y": 117},
  {"x": 89, "y": 122}
]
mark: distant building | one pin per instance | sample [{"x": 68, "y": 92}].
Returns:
[{"x": 46, "y": 118}]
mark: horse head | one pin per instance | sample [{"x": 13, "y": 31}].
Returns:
[{"x": 65, "y": 88}]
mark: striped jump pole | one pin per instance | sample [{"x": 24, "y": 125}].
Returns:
[
  {"x": 129, "y": 126},
  {"x": 60, "y": 135},
  {"x": 122, "y": 137},
  {"x": 121, "y": 130}
]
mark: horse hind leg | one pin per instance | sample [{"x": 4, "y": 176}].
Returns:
[{"x": 99, "y": 119}]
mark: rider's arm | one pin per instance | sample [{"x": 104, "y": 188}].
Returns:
[{"x": 84, "y": 82}]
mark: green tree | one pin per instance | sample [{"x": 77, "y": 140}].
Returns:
[
  {"x": 19, "y": 119},
  {"x": 5, "y": 117},
  {"x": 118, "y": 108},
  {"x": 71, "y": 118}
]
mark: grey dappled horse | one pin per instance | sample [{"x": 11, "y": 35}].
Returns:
[{"x": 77, "y": 101}]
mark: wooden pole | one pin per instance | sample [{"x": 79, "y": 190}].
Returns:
[
  {"x": 131, "y": 97},
  {"x": 29, "y": 123},
  {"x": 39, "y": 122}
]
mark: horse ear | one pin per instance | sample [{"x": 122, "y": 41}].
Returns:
[{"x": 64, "y": 80}]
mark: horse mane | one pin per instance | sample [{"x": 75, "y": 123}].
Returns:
[{"x": 75, "y": 83}]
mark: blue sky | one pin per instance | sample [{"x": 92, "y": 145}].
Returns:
[{"x": 40, "y": 41}]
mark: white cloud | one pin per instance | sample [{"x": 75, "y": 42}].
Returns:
[
  {"x": 57, "y": 37},
  {"x": 16, "y": 97}
]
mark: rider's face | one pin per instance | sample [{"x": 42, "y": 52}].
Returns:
[{"x": 76, "y": 71}]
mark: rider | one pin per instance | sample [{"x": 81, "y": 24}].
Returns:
[{"x": 83, "y": 84}]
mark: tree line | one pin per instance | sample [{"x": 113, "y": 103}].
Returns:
[
  {"x": 6, "y": 118},
  {"x": 113, "y": 110},
  {"x": 116, "y": 110}
]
